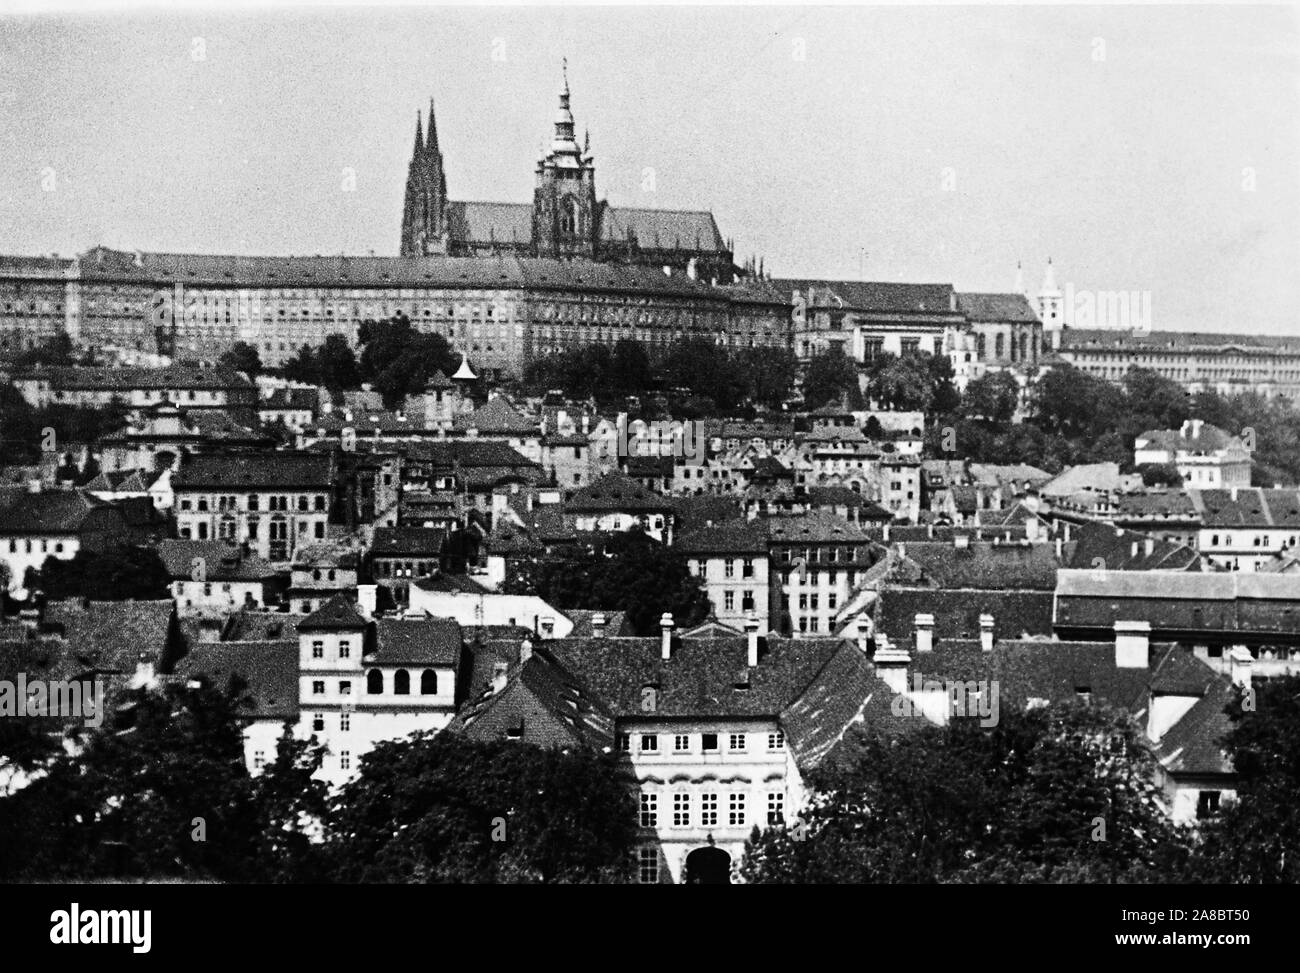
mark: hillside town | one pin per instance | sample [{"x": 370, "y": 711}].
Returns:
[{"x": 579, "y": 480}]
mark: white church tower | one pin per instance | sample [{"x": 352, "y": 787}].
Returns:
[{"x": 1051, "y": 306}]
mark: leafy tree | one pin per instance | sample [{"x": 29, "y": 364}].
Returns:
[
  {"x": 303, "y": 367},
  {"x": 337, "y": 364},
  {"x": 399, "y": 360},
  {"x": 992, "y": 398},
  {"x": 118, "y": 574},
  {"x": 629, "y": 369},
  {"x": 630, "y": 572},
  {"x": 1256, "y": 838},
  {"x": 442, "y": 808},
  {"x": 829, "y": 377},
  {"x": 1018, "y": 802},
  {"x": 1160, "y": 474},
  {"x": 242, "y": 357},
  {"x": 58, "y": 351}
]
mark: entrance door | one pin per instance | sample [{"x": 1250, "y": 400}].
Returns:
[{"x": 708, "y": 866}]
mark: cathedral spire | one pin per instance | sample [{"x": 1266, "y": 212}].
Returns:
[
  {"x": 419, "y": 138},
  {"x": 433, "y": 130}
]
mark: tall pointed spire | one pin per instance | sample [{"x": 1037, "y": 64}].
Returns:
[
  {"x": 419, "y": 138},
  {"x": 1020, "y": 278},
  {"x": 433, "y": 129}
]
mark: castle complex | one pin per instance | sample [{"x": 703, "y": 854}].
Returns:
[
  {"x": 565, "y": 219},
  {"x": 507, "y": 283}
]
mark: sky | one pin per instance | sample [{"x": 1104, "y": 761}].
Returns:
[{"x": 1145, "y": 149}]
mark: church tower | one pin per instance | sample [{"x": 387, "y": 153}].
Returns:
[
  {"x": 1051, "y": 307},
  {"x": 424, "y": 216},
  {"x": 565, "y": 213}
]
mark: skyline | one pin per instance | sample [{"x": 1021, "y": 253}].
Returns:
[{"x": 1129, "y": 172}]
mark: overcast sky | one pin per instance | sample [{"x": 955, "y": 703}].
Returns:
[{"x": 947, "y": 142}]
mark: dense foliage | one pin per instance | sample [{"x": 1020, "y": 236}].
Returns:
[
  {"x": 119, "y": 574},
  {"x": 628, "y": 572}
]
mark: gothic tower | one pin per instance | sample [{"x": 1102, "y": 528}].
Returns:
[
  {"x": 565, "y": 213},
  {"x": 1050, "y": 308},
  {"x": 424, "y": 216}
]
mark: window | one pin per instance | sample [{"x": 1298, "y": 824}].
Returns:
[
  {"x": 736, "y": 809},
  {"x": 736, "y": 741},
  {"x": 649, "y": 809},
  {"x": 428, "y": 683},
  {"x": 345, "y": 722},
  {"x": 647, "y": 866},
  {"x": 345, "y": 649},
  {"x": 318, "y": 722},
  {"x": 729, "y": 600},
  {"x": 318, "y": 687},
  {"x": 318, "y": 650},
  {"x": 345, "y": 687},
  {"x": 649, "y": 743},
  {"x": 775, "y": 807},
  {"x": 402, "y": 683},
  {"x": 776, "y": 741},
  {"x": 374, "y": 682},
  {"x": 709, "y": 741},
  {"x": 681, "y": 743},
  {"x": 1207, "y": 804},
  {"x": 345, "y": 760},
  {"x": 709, "y": 810},
  {"x": 259, "y": 759},
  {"x": 729, "y": 567},
  {"x": 624, "y": 742}
]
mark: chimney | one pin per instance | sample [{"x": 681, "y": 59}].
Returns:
[
  {"x": 986, "y": 632},
  {"x": 960, "y": 541},
  {"x": 924, "y": 632},
  {"x": 891, "y": 666},
  {"x": 1132, "y": 644},
  {"x": 885, "y": 533},
  {"x": 1239, "y": 663},
  {"x": 598, "y": 625},
  {"x": 366, "y": 599},
  {"x": 751, "y": 639},
  {"x": 499, "y": 670},
  {"x": 1150, "y": 546},
  {"x": 1060, "y": 549},
  {"x": 525, "y": 651},
  {"x": 1234, "y": 494},
  {"x": 666, "y": 639},
  {"x": 864, "y": 632}
]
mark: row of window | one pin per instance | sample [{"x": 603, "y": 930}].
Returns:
[
  {"x": 254, "y": 502},
  {"x": 709, "y": 742},
  {"x": 45, "y": 547},
  {"x": 706, "y": 809}
]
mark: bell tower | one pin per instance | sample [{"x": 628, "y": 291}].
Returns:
[{"x": 565, "y": 212}]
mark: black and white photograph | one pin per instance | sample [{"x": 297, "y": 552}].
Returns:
[{"x": 569, "y": 445}]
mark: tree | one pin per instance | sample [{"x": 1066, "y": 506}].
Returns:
[
  {"x": 992, "y": 398},
  {"x": 829, "y": 377},
  {"x": 118, "y": 574},
  {"x": 336, "y": 364},
  {"x": 629, "y": 369},
  {"x": 442, "y": 808},
  {"x": 1256, "y": 838},
  {"x": 303, "y": 367},
  {"x": 1061, "y": 793},
  {"x": 629, "y": 572},
  {"x": 1160, "y": 474},
  {"x": 58, "y": 351},
  {"x": 242, "y": 357}
]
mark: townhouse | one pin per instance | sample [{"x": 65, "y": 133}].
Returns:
[{"x": 731, "y": 561}]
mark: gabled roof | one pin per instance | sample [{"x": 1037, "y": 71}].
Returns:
[
  {"x": 337, "y": 614},
  {"x": 270, "y": 670},
  {"x": 221, "y": 561},
  {"x": 496, "y": 418},
  {"x": 742, "y": 537},
  {"x": 416, "y": 642},
  {"x": 49, "y": 512},
  {"x": 412, "y": 541},
  {"x": 616, "y": 492},
  {"x": 1013, "y": 308}
]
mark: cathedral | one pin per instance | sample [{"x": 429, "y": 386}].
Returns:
[{"x": 565, "y": 220}]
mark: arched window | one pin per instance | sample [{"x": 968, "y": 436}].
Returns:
[
  {"x": 569, "y": 216},
  {"x": 374, "y": 682},
  {"x": 402, "y": 683},
  {"x": 428, "y": 683}
]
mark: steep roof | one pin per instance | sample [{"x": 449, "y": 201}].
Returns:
[
  {"x": 49, "y": 512},
  {"x": 1013, "y": 308},
  {"x": 270, "y": 670},
  {"x": 616, "y": 492},
  {"x": 278, "y": 470},
  {"x": 416, "y": 642},
  {"x": 496, "y": 417},
  {"x": 337, "y": 614}
]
